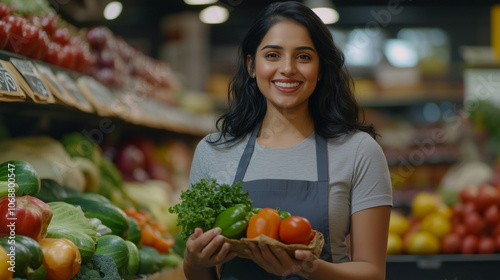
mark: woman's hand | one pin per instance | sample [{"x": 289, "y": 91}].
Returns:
[
  {"x": 276, "y": 260},
  {"x": 206, "y": 249}
]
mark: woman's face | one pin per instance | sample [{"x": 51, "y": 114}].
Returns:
[{"x": 286, "y": 66}]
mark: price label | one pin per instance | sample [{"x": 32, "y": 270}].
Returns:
[
  {"x": 72, "y": 88},
  {"x": 7, "y": 82},
  {"x": 27, "y": 70}
]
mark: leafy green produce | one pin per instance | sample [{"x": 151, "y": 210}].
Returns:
[
  {"x": 100, "y": 267},
  {"x": 67, "y": 216},
  {"x": 203, "y": 202}
]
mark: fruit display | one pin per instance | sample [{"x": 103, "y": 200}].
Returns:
[{"x": 471, "y": 225}]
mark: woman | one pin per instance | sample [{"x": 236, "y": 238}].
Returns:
[{"x": 293, "y": 137}]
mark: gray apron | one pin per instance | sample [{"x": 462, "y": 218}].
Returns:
[{"x": 308, "y": 199}]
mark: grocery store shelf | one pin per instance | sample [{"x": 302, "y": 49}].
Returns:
[
  {"x": 89, "y": 98},
  {"x": 443, "y": 267}
]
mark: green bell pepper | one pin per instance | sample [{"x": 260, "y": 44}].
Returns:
[
  {"x": 253, "y": 211},
  {"x": 233, "y": 221},
  {"x": 284, "y": 214}
]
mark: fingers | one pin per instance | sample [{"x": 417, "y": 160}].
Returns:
[
  {"x": 207, "y": 248},
  {"x": 276, "y": 260}
]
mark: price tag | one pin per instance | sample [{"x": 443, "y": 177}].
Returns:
[
  {"x": 69, "y": 84},
  {"x": 33, "y": 85},
  {"x": 61, "y": 94},
  {"x": 101, "y": 97},
  {"x": 9, "y": 90}
]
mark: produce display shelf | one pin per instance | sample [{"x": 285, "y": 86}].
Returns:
[
  {"x": 129, "y": 107},
  {"x": 443, "y": 267}
]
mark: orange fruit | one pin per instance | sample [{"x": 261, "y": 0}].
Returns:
[
  {"x": 394, "y": 244},
  {"x": 437, "y": 224},
  {"x": 423, "y": 243}
]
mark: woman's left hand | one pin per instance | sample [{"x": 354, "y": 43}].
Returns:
[{"x": 276, "y": 260}]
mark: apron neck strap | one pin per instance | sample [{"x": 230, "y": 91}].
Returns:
[{"x": 321, "y": 156}]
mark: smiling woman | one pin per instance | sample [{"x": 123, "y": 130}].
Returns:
[{"x": 292, "y": 135}]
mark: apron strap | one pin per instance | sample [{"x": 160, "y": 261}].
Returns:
[
  {"x": 321, "y": 156},
  {"x": 247, "y": 154}
]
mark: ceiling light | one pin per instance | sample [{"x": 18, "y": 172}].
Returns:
[
  {"x": 324, "y": 9},
  {"x": 113, "y": 10},
  {"x": 199, "y": 2},
  {"x": 214, "y": 15},
  {"x": 400, "y": 53}
]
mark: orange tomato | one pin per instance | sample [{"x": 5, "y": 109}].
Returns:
[
  {"x": 267, "y": 221},
  {"x": 162, "y": 244},
  {"x": 147, "y": 235}
]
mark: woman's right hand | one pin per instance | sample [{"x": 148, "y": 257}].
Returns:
[{"x": 206, "y": 249}]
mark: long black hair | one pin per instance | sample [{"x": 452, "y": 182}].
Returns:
[{"x": 332, "y": 104}]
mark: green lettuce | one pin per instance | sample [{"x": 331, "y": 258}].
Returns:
[{"x": 203, "y": 201}]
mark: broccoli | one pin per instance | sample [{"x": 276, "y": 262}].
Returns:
[{"x": 100, "y": 267}]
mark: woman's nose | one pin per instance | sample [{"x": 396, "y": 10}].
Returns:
[{"x": 288, "y": 67}]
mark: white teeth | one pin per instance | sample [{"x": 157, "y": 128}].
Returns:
[{"x": 286, "y": 85}]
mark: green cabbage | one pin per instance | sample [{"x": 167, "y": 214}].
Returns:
[{"x": 68, "y": 217}]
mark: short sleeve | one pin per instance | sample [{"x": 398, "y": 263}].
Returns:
[{"x": 371, "y": 182}]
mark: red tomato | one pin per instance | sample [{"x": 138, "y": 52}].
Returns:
[
  {"x": 460, "y": 229},
  {"x": 468, "y": 194},
  {"x": 474, "y": 223},
  {"x": 451, "y": 243},
  {"x": 469, "y": 244},
  {"x": 5, "y": 10},
  {"x": 486, "y": 195},
  {"x": 492, "y": 215},
  {"x": 32, "y": 216},
  {"x": 497, "y": 242},
  {"x": 296, "y": 230},
  {"x": 267, "y": 221},
  {"x": 4, "y": 34},
  {"x": 486, "y": 245}
]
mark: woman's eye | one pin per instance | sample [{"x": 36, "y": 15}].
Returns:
[
  {"x": 304, "y": 57},
  {"x": 272, "y": 55}
]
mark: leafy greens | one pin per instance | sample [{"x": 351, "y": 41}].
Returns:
[{"x": 203, "y": 201}]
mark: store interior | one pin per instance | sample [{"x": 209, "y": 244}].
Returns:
[{"x": 425, "y": 72}]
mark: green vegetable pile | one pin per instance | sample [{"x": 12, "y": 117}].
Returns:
[{"x": 203, "y": 202}]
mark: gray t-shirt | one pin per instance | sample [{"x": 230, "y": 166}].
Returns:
[{"x": 358, "y": 174}]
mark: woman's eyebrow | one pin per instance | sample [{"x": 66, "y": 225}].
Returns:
[{"x": 280, "y": 48}]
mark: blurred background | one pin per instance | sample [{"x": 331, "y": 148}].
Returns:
[{"x": 144, "y": 81}]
